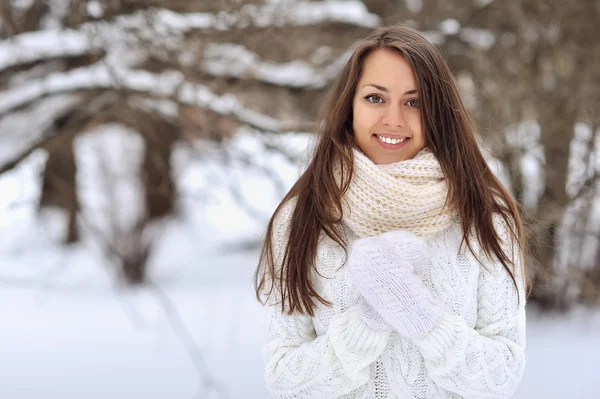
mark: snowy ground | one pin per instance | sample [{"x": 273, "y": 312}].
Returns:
[
  {"x": 77, "y": 336},
  {"x": 67, "y": 331},
  {"x": 74, "y": 335}
]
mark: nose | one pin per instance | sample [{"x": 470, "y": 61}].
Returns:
[{"x": 393, "y": 117}]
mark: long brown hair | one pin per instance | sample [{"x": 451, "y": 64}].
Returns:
[{"x": 474, "y": 193}]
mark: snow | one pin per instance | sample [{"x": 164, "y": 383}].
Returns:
[
  {"x": 483, "y": 3},
  {"x": 581, "y": 164},
  {"x": 234, "y": 60},
  {"x": 111, "y": 193},
  {"x": 261, "y": 177},
  {"x": 166, "y": 84},
  {"x": 94, "y": 9},
  {"x": 165, "y": 29},
  {"x": 299, "y": 13},
  {"x": 347, "y": 11},
  {"x": 20, "y": 130},
  {"x": 22, "y": 5},
  {"x": 481, "y": 39},
  {"x": 71, "y": 331},
  {"x": 20, "y": 188},
  {"x": 562, "y": 353},
  {"x": 57, "y": 11},
  {"x": 74, "y": 335},
  {"x": 414, "y": 6},
  {"x": 436, "y": 38},
  {"x": 450, "y": 26},
  {"x": 56, "y": 83},
  {"x": 525, "y": 138},
  {"x": 40, "y": 45},
  {"x": 184, "y": 22}
]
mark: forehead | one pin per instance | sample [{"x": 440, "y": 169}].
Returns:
[{"x": 387, "y": 68}]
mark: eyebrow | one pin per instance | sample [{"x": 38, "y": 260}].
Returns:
[{"x": 385, "y": 89}]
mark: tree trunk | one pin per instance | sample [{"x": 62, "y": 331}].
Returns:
[
  {"x": 160, "y": 137},
  {"x": 556, "y": 133},
  {"x": 58, "y": 183}
]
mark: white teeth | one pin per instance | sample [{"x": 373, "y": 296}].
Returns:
[{"x": 390, "y": 141}]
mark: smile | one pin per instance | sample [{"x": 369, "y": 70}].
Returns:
[{"x": 389, "y": 142}]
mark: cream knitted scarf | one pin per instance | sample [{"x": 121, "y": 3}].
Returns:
[{"x": 408, "y": 195}]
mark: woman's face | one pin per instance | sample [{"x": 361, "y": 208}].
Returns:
[{"x": 386, "y": 111}]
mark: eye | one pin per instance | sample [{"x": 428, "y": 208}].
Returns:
[
  {"x": 374, "y": 99},
  {"x": 413, "y": 102}
]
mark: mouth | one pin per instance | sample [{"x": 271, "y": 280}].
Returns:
[{"x": 391, "y": 142}]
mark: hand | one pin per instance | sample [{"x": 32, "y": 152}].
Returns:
[
  {"x": 406, "y": 247},
  {"x": 384, "y": 271},
  {"x": 370, "y": 317}
]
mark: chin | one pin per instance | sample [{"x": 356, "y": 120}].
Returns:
[
  {"x": 388, "y": 160},
  {"x": 391, "y": 157}
]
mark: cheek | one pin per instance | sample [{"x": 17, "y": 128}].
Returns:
[
  {"x": 363, "y": 119},
  {"x": 416, "y": 125},
  {"x": 357, "y": 118}
]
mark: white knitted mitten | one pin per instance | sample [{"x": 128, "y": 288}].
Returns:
[
  {"x": 383, "y": 269},
  {"x": 371, "y": 318}
]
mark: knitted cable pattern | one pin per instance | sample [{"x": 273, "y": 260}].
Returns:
[
  {"x": 476, "y": 351},
  {"x": 408, "y": 195}
]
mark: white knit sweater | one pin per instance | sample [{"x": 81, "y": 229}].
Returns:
[{"x": 477, "y": 351}]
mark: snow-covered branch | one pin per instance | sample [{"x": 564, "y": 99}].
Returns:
[
  {"x": 169, "y": 84},
  {"x": 21, "y": 132},
  {"x": 303, "y": 13},
  {"x": 235, "y": 61},
  {"x": 165, "y": 27},
  {"x": 41, "y": 45}
]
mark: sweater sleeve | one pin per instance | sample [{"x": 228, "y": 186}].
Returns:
[
  {"x": 300, "y": 364},
  {"x": 486, "y": 361}
]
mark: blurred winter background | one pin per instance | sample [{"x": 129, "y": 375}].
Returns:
[{"x": 145, "y": 143}]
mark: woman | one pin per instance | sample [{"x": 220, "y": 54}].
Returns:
[{"x": 393, "y": 267}]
